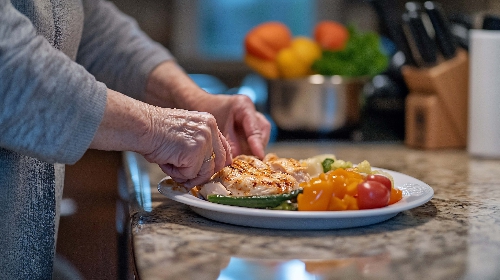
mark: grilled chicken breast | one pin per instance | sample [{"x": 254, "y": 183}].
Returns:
[
  {"x": 287, "y": 165},
  {"x": 248, "y": 175}
]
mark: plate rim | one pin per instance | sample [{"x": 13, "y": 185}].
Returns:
[{"x": 190, "y": 200}]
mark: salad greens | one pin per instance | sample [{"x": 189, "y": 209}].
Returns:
[
  {"x": 362, "y": 56},
  {"x": 327, "y": 164}
]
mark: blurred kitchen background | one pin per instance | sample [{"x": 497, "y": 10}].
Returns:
[{"x": 206, "y": 37}]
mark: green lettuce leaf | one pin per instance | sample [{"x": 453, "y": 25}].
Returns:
[{"x": 362, "y": 56}]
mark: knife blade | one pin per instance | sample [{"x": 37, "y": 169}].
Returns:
[
  {"x": 423, "y": 47},
  {"x": 443, "y": 36}
]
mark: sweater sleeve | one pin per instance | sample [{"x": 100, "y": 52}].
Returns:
[
  {"x": 116, "y": 51},
  {"x": 50, "y": 107}
]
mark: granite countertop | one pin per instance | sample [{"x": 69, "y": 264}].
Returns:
[{"x": 456, "y": 235}]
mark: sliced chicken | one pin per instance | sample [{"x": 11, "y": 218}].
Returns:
[
  {"x": 213, "y": 188},
  {"x": 288, "y": 165},
  {"x": 248, "y": 175}
]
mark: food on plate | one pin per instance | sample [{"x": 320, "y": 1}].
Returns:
[
  {"x": 288, "y": 166},
  {"x": 315, "y": 164},
  {"x": 334, "y": 190},
  {"x": 319, "y": 183},
  {"x": 249, "y": 176},
  {"x": 273, "y": 201},
  {"x": 345, "y": 187}
]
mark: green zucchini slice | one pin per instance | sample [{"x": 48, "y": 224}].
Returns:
[{"x": 255, "y": 201}]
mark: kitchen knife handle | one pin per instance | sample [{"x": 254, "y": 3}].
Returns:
[
  {"x": 421, "y": 44},
  {"x": 390, "y": 21},
  {"x": 443, "y": 36}
]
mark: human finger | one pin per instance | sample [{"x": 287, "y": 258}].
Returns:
[
  {"x": 193, "y": 139},
  {"x": 219, "y": 147},
  {"x": 265, "y": 128},
  {"x": 215, "y": 158},
  {"x": 184, "y": 176},
  {"x": 256, "y": 130},
  {"x": 227, "y": 147},
  {"x": 220, "y": 157},
  {"x": 205, "y": 173}
]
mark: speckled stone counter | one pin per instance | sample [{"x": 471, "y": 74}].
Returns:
[{"x": 456, "y": 235}]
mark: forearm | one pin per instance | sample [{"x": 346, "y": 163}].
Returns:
[
  {"x": 124, "y": 123},
  {"x": 169, "y": 86},
  {"x": 177, "y": 140}
]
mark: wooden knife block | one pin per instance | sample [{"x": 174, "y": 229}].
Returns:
[{"x": 436, "y": 107}]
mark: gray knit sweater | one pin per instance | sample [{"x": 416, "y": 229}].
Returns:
[{"x": 56, "y": 59}]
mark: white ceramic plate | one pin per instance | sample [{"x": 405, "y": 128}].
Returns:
[{"x": 415, "y": 193}]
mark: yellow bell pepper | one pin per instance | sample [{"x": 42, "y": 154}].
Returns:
[
  {"x": 334, "y": 191},
  {"x": 267, "y": 68},
  {"x": 296, "y": 61},
  {"x": 315, "y": 196}
]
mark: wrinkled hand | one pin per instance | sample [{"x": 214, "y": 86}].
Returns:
[
  {"x": 246, "y": 130},
  {"x": 182, "y": 143}
]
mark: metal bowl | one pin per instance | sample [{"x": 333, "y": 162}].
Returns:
[{"x": 316, "y": 103}]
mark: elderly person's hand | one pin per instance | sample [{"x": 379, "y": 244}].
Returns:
[
  {"x": 246, "y": 130},
  {"x": 187, "y": 145}
]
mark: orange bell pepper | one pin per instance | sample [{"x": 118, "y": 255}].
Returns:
[
  {"x": 265, "y": 40},
  {"x": 334, "y": 191},
  {"x": 351, "y": 202},
  {"x": 337, "y": 204},
  {"x": 331, "y": 35},
  {"x": 396, "y": 195},
  {"x": 339, "y": 187},
  {"x": 345, "y": 182}
]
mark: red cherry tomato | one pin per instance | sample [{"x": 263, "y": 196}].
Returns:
[
  {"x": 381, "y": 179},
  {"x": 372, "y": 194}
]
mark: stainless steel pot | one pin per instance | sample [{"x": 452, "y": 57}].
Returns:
[{"x": 316, "y": 103}]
